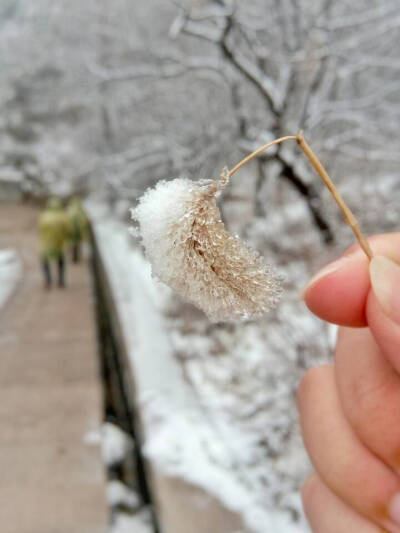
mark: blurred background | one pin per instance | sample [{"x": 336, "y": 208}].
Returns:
[{"x": 124, "y": 409}]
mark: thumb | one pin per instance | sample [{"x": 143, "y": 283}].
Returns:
[{"x": 383, "y": 307}]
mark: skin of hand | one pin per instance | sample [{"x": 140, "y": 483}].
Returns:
[{"x": 350, "y": 410}]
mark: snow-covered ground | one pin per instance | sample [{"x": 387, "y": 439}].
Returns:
[
  {"x": 217, "y": 401},
  {"x": 10, "y": 273}
]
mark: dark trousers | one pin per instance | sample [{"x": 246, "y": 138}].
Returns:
[
  {"x": 76, "y": 252},
  {"x": 46, "y": 267}
]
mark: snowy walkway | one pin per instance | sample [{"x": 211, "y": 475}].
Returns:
[{"x": 51, "y": 481}]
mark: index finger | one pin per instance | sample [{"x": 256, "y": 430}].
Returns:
[{"x": 338, "y": 293}]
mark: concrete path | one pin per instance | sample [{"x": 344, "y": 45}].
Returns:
[{"x": 51, "y": 481}]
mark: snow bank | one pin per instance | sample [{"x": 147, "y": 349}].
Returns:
[{"x": 10, "y": 273}]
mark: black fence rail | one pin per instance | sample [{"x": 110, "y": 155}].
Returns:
[{"x": 118, "y": 386}]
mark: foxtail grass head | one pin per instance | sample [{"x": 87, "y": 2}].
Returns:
[{"x": 190, "y": 250}]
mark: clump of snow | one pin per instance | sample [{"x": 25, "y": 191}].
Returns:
[
  {"x": 10, "y": 273},
  {"x": 140, "y": 522},
  {"x": 191, "y": 251},
  {"x": 115, "y": 444},
  {"x": 118, "y": 494}
]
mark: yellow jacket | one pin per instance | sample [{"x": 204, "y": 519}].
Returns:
[
  {"x": 78, "y": 221},
  {"x": 54, "y": 230}
]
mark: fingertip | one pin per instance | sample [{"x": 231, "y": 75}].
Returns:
[{"x": 338, "y": 293}]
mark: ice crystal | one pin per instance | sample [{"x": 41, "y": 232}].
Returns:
[{"x": 190, "y": 250}]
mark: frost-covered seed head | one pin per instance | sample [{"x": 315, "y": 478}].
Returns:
[{"x": 190, "y": 250}]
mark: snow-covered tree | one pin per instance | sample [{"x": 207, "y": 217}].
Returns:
[{"x": 109, "y": 97}]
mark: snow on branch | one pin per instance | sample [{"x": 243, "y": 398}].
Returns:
[
  {"x": 203, "y": 31},
  {"x": 254, "y": 74},
  {"x": 169, "y": 68},
  {"x": 356, "y": 152},
  {"x": 356, "y": 39},
  {"x": 213, "y": 11},
  {"x": 360, "y": 19},
  {"x": 221, "y": 37},
  {"x": 351, "y": 104},
  {"x": 366, "y": 61},
  {"x": 138, "y": 150}
]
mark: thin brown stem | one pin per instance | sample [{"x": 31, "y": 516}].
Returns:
[
  {"x": 347, "y": 213},
  {"x": 258, "y": 152},
  {"x": 315, "y": 162}
]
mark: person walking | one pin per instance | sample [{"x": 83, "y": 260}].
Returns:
[
  {"x": 54, "y": 232},
  {"x": 79, "y": 226}
]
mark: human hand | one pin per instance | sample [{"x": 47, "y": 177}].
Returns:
[{"x": 350, "y": 410}]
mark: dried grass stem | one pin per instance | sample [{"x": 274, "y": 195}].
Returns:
[
  {"x": 259, "y": 151},
  {"x": 315, "y": 162},
  {"x": 347, "y": 213}
]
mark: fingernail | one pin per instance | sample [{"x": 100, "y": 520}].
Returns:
[
  {"x": 385, "y": 281},
  {"x": 394, "y": 509},
  {"x": 328, "y": 269}
]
